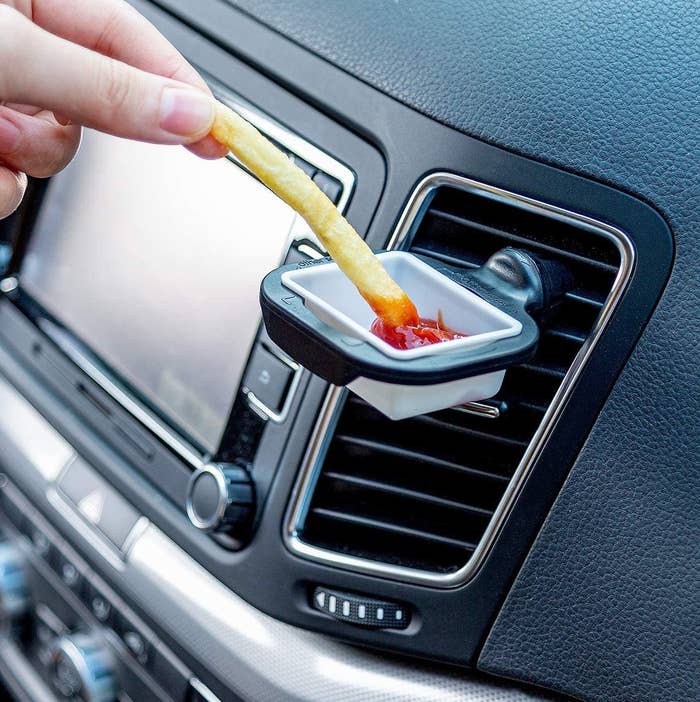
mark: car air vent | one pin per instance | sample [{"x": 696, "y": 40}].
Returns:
[{"x": 422, "y": 494}]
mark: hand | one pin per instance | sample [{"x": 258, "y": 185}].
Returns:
[{"x": 95, "y": 63}]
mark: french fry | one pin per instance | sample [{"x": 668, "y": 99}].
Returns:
[{"x": 343, "y": 243}]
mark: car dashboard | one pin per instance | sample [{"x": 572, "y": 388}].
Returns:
[{"x": 187, "y": 513}]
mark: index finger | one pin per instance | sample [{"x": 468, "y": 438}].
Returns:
[{"x": 115, "y": 29}]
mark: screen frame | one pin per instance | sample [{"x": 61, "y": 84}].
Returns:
[{"x": 79, "y": 352}]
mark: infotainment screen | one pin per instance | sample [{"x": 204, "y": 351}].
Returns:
[{"x": 153, "y": 258}]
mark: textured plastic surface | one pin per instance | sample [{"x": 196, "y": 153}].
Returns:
[{"x": 263, "y": 659}]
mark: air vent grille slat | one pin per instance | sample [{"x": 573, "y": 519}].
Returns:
[
  {"x": 511, "y": 239},
  {"x": 419, "y": 493},
  {"x": 423, "y": 497},
  {"x": 392, "y": 528}
]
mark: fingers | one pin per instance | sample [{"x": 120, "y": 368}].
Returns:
[
  {"x": 208, "y": 148},
  {"x": 36, "y": 145},
  {"x": 96, "y": 91},
  {"x": 12, "y": 187},
  {"x": 114, "y": 28}
]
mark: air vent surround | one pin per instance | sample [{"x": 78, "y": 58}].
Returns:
[{"x": 409, "y": 231}]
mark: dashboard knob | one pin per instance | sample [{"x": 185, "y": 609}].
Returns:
[
  {"x": 82, "y": 668},
  {"x": 14, "y": 595},
  {"x": 221, "y": 497}
]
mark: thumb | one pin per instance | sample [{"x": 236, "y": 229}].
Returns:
[{"x": 96, "y": 91}]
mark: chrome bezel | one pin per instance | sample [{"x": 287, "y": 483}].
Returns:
[
  {"x": 218, "y": 475},
  {"x": 333, "y": 403}
]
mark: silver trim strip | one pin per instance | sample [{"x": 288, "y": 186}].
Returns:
[
  {"x": 136, "y": 409},
  {"x": 27, "y": 430},
  {"x": 203, "y": 691},
  {"x": 91, "y": 535},
  {"x": 134, "y": 535},
  {"x": 332, "y": 405},
  {"x": 260, "y": 658}
]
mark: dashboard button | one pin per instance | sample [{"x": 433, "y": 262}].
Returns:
[
  {"x": 137, "y": 645},
  {"x": 83, "y": 668},
  {"x": 69, "y": 574},
  {"x": 360, "y": 610},
  {"x": 98, "y": 502},
  {"x": 268, "y": 378},
  {"x": 221, "y": 497},
  {"x": 99, "y": 605},
  {"x": 330, "y": 186},
  {"x": 41, "y": 543}
]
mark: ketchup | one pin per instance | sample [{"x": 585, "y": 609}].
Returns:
[{"x": 427, "y": 331}]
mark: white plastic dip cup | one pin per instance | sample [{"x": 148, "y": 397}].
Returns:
[{"x": 335, "y": 300}]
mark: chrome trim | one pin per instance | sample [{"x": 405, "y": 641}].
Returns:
[
  {"x": 293, "y": 142},
  {"x": 218, "y": 475},
  {"x": 27, "y": 430},
  {"x": 479, "y": 409},
  {"x": 261, "y": 407},
  {"x": 203, "y": 691},
  {"x": 149, "y": 419},
  {"x": 332, "y": 405}
]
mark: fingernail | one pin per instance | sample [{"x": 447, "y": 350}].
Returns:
[
  {"x": 186, "y": 112},
  {"x": 10, "y": 136}
]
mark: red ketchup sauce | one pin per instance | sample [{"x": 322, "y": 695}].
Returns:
[{"x": 427, "y": 331}]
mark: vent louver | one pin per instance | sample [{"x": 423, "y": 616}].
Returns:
[{"x": 421, "y": 493}]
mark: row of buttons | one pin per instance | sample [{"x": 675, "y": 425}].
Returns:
[
  {"x": 144, "y": 647},
  {"x": 148, "y": 653},
  {"x": 360, "y": 609},
  {"x": 94, "y": 599}
]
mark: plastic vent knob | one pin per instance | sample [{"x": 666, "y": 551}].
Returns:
[{"x": 82, "y": 667}]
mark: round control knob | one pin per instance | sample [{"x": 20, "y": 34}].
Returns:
[
  {"x": 14, "y": 596},
  {"x": 220, "y": 497},
  {"x": 82, "y": 667}
]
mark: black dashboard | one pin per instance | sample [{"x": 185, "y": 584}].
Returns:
[{"x": 285, "y": 540}]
